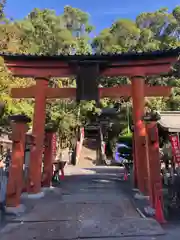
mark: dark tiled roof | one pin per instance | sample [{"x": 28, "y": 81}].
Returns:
[{"x": 96, "y": 57}]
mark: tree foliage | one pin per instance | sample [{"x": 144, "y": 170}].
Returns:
[{"x": 45, "y": 32}]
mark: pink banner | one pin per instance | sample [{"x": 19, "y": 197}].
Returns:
[{"x": 175, "y": 147}]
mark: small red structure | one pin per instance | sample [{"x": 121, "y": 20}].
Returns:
[{"x": 136, "y": 66}]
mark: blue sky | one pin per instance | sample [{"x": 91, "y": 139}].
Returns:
[{"x": 102, "y": 12}]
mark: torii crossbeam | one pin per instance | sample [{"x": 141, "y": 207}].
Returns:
[{"x": 112, "y": 92}]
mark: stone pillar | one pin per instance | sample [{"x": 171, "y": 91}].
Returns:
[
  {"x": 15, "y": 180},
  {"x": 154, "y": 162},
  {"x": 49, "y": 154},
  {"x": 138, "y": 85},
  {"x": 35, "y": 165}
]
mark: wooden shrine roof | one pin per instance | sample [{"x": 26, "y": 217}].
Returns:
[
  {"x": 130, "y": 56},
  {"x": 170, "y": 121}
]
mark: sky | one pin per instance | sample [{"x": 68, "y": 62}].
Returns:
[{"x": 102, "y": 12}]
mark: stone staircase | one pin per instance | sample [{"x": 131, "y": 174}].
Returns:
[{"x": 88, "y": 154}]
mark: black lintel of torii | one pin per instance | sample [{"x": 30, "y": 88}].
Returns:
[{"x": 87, "y": 82}]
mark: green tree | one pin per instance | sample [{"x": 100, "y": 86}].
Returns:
[{"x": 45, "y": 32}]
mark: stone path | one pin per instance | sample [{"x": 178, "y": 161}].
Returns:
[{"x": 88, "y": 204}]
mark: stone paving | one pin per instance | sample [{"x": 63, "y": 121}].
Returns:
[{"x": 89, "y": 205}]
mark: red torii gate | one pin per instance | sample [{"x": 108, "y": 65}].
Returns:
[{"x": 135, "y": 66}]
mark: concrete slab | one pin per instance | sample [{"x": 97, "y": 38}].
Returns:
[
  {"x": 115, "y": 228},
  {"x": 92, "y": 206},
  {"x": 33, "y": 196},
  {"x": 88, "y": 228},
  {"x": 140, "y": 196},
  {"x": 46, "y": 189},
  {"x": 15, "y": 210}
]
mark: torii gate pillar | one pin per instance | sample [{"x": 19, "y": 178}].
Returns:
[
  {"x": 35, "y": 164},
  {"x": 140, "y": 150}
]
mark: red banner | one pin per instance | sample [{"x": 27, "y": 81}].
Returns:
[{"x": 175, "y": 147}]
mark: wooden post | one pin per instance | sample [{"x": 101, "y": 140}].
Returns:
[
  {"x": 154, "y": 161},
  {"x": 35, "y": 165},
  {"x": 49, "y": 155},
  {"x": 15, "y": 181},
  {"x": 138, "y": 84}
]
